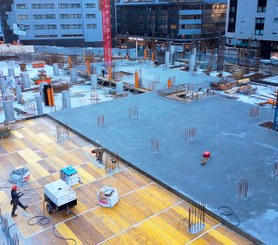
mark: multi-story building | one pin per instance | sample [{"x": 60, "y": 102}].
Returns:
[
  {"x": 53, "y": 22},
  {"x": 253, "y": 24},
  {"x": 170, "y": 21}
]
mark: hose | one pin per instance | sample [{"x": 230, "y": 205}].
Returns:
[
  {"x": 62, "y": 238},
  {"x": 227, "y": 211},
  {"x": 40, "y": 220}
]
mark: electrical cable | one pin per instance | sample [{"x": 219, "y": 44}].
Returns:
[
  {"x": 62, "y": 238},
  {"x": 227, "y": 211}
]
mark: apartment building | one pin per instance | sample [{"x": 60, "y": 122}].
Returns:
[
  {"x": 52, "y": 22},
  {"x": 170, "y": 21},
  {"x": 253, "y": 24}
]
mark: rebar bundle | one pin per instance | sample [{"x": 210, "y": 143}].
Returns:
[
  {"x": 100, "y": 120},
  {"x": 254, "y": 111},
  {"x": 133, "y": 112},
  {"x": 62, "y": 132},
  {"x": 112, "y": 163},
  {"x": 196, "y": 219},
  {"x": 275, "y": 169},
  {"x": 243, "y": 187},
  {"x": 155, "y": 145},
  {"x": 189, "y": 133}
]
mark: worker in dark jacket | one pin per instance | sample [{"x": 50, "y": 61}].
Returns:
[{"x": 15, "y": 200}]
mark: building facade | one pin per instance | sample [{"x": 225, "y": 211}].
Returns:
[
  {"x": 170, "y": 21},
  {"x": 52, "y": 22},
  {"x": 253, "y": 24}
]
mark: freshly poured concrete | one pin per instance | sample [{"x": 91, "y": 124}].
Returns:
[{"x": 240, "y": 149}]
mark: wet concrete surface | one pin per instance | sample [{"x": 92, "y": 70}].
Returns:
[{"x": 239, "y": 147}]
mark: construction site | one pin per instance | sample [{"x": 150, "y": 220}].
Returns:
[{"x": 138, "y": 147}]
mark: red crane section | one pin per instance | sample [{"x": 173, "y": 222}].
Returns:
[{"x": 106, "y": 32}]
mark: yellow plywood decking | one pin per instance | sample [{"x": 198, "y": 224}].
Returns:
[{"x": 147, "y": 213}]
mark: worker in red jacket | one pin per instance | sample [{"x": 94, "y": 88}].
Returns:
[{"x": 15, "y": 200}]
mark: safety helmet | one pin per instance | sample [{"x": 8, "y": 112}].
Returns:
[{"x": 14, "y": 187}]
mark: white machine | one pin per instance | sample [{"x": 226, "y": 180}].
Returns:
[
  {"x": 59, "y": 196},
  {"x": 107, "y": 197}
]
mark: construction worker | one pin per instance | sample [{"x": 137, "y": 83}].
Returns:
[
  {"x": 15, "y": 200},
  {"x": 98, "y": 153}
]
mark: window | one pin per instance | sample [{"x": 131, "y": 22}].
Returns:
[
  {"x": 75, "y": 6},
  {"x": 49, "y": 6},
  {"x": 91, "y": 26},
  {"x": 37, "y": 6},
  {"x": 173, "y": 27},
  {"x": 64, "y": 16},
  {"x": 4, "y": 6},
  {"x": 90, "y": 5},
  {"x": 27, "y": 27},
  {"x": 259, "y": 26},
  {"x": 76, "y": 16},
  {"x": 39, "y": 27},
  {"x": 76, "y": 26},
  {"x": 190, "y": 17},
  {"x": 190, "y": 26},
  {"x": 50, "y": 16},
  {"x": 90, "y": 16},
  {"x": 65, "y": 26},
  {"x": 261, "y": 7},
  {"x": 23, "y": 17},
  {"x": 38, "y": 16},
  {"x": 63, "y": 5},
  {"x": 73, "y": 26},
  {"x": 51, "y": 27},
  {"x": 45, "y": 36},
  {"x": 72, "y": 35},
  {"x": 275, "y": 20},
  {"x": 22, "y": 6}
]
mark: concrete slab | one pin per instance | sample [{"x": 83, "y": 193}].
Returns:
[{"x": 240, "y": 149}]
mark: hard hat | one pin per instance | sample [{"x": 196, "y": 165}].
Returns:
[{"x": 14, "y": 187}]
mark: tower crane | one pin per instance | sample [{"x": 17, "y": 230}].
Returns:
[{"x": 106, "y": 33}]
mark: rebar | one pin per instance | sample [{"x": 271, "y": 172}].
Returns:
[
  {"x": 62, "y": 132},
  {"x": 30, "y": 109},
  {"x": 189, "y": 134},
  {"x": 196, "y": 219},
  {"x": 275, "y": 170},
  {"x": 100, "y": 120},
  {"x": 13, "y": 238},
  {"x": 243, "y": 187},
  {"x": 155, "y": 145},
  {"x": 254, "y": 111},
  {"x": 94, "y": 98},
  {"x": 133, "y": 112}
]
